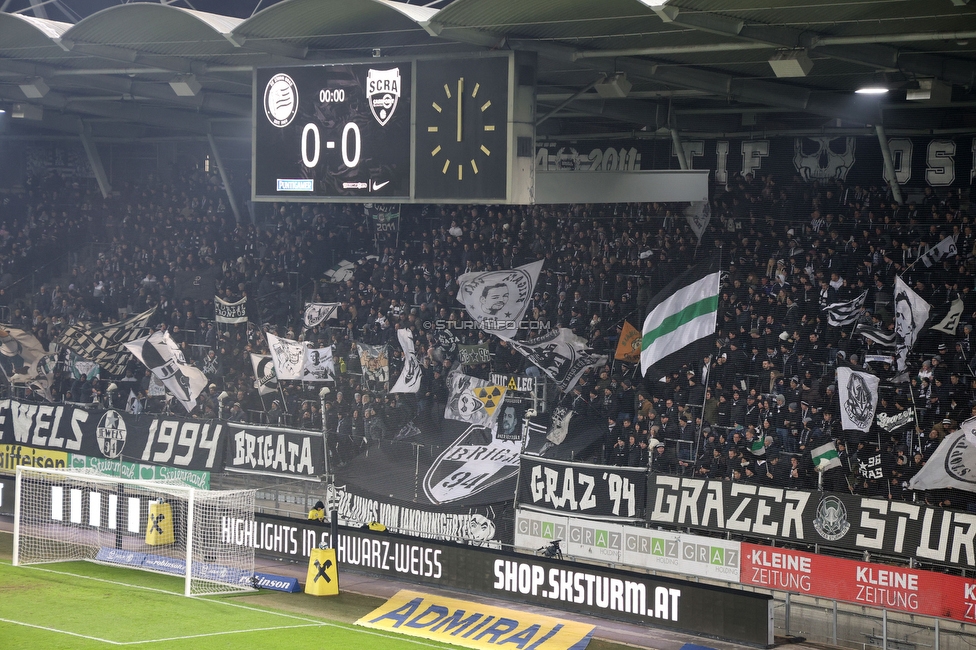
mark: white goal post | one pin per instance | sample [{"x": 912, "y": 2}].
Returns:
[{"x": 64, "y": 515}]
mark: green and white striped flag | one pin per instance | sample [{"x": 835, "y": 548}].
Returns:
[
  {"x": 758, "y": 446},
  {"x": 825, "y": 457},
  {"x": 685, "y": 311}
]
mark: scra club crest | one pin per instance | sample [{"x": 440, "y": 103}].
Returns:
[{"x": 383, "y": 93}]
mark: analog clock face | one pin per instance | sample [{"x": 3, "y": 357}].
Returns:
[{"x": 462, "y": 129}]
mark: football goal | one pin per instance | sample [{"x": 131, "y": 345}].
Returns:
[{"x": 63, "y": 515}]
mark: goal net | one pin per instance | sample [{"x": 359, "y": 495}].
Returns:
[{"x": 62, "y": 515}]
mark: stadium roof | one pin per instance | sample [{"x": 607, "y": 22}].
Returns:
[{"x": 114, "y": 68}]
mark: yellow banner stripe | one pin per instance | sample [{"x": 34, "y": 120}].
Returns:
[{"x": 474, "y": 625}]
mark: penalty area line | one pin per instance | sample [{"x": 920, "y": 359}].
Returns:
[{"x": 56, "y": 630}]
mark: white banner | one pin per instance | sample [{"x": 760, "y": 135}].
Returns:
[
  {"x": 230, "y": 312},
  {"x": 472, "y": 400},
  {"x": 562, "y": 355},
  {"x": 265, "y": 379},
  {"x": 409, "y": 379},
  {"x": 943, "y": 250},
  {"x": 858, "y": 393},
  {"x": 689, "y": 555},
  {"x": 953, "y": 465},
  {"x": 497, "y": 300},
  {"x": 317, "y": 313},
  {"x": 288, "y": 357},
  {"x": 319, "y": 365},
  {"x": 911, "y": 312}
]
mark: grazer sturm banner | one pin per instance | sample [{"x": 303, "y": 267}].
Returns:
[
  {"x": 275, "y": 451},
  {"x": 629, "y": 544},
  {"x": 230, "y": 312},
  {"x": 479, "y": 526},
  {"x": 474, "y": 625},
  {"x": 873, "y": 585},
  {"x": 895, "y": 528},
  {"x": 112, "y": 434},
  {"x": 734, "y": 615},
  {"x": 594, "y": 491}
]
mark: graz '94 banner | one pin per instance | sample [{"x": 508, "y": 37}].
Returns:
[
  {"x": 593, "y": 491},
  {"x": 807, "y": 517}
]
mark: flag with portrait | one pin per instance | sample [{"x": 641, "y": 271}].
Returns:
[
  {"x": 409, "y": 379},
  {"x": 319, "y": 365},
  {"x": 376, "y": 363},
  {"x": 497, "y": 300},
  {"x": 472, "y": 400},
  {"x": 911, "y": 312},
  {"x": 288, "y": 357}
]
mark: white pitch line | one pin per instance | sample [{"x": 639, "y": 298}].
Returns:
[
  {"x": 198, "y": 636},
  {"x": 54, "y": 629}
]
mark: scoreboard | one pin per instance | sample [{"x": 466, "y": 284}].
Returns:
[
  {"x": 399, "y": 131},
  {"x": 340, "y": 131}
]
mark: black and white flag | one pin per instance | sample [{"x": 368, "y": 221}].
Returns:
[
  {"x": 288, "y": 357},
  {"x": 317, "y": 313},
  {"x": 698, "y": 214},
  {"x": 230, "y": 312},
  {"x": 562, "y": 355},
  {"x": 560, "y": 425},
  {"x": 953, "y": 464},
  {"x": 950, "y": 321},
  {"x": 845, "y": 313},
  {"x": 882, "y": 337},
  {"x": 409, "y": 379},
  {"x": 265, "y": 379},
  {"x": 943, "y": 250},
  {"x": 911, "y": 312},
  {"x": 497, "y": 300},
  {"x": 858, "y": 392},
  {"x": 319, "y": 365},
  {"x": 871, "y": 466},
  {"x": 104, "y": 344},
  {"x": 160, "y": 353}
]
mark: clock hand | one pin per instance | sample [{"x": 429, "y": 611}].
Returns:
[{"x": 460, "y": 91}]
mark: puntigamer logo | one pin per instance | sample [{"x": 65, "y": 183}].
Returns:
[{"x": 281, "y": 100}]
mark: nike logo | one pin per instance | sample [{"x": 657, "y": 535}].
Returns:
[{"x": 377, "y": 186}]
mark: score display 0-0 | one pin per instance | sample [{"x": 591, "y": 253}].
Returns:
[{"x": 339, "y": 131}]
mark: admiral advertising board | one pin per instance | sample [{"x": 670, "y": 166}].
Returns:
[
  {"x": 633, "y": 546},
  {"x": 740, "y": 616},
  {"x": 873, "y": 585},
  {"x": 930, "y": 535}
]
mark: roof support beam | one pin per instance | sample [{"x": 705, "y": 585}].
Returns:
[{"x": 94, "y": 159}]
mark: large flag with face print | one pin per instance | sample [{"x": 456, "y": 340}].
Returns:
[
  {"x": 409, "y": 379},
  {"x": 562, "y": 355},
  {"x": 684, "y": 312},
  {"x": 472, "y": 400},
  {"x": 911, "y": 312},
  {"x": 288, "y": 357},
  {"x": 497, "y": 300}
]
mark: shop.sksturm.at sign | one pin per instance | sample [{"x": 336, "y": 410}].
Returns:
[
  {"x": 931, "y": 535},
  {"x": 596, "y": 491}
]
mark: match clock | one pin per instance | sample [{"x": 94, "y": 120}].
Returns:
[{"x": 463, "y": 115}]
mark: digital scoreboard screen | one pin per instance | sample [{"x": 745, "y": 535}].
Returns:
[{"x": 332, "y": 131}]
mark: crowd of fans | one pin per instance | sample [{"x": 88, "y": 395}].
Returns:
[{"x": 790, "y": 248}]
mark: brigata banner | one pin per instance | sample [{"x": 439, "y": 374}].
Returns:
[
  {"x": 628, "y": 544},
  {"x": 275, "y": 451},
  {"x": 474, "y": 625},
  {"x": 874, "y": 585},
  {"x": 930, "y": 535},
  {"x": 734, "y": 615},
  {"x": 595, "y": 491},
  {"x": 99, "y": 433}
]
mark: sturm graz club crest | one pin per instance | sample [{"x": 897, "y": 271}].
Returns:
[
  {"x": 858, "y": 404},
  {"x": 831, "y": 521},
  {"x": 281, "y": 100},
  {"x": 110, "y": 434},
  {"x": 960, "y": 461},
  {"x": 383, "y": 93}
]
